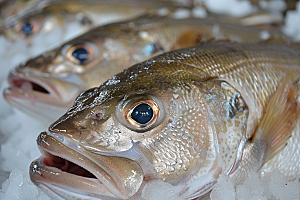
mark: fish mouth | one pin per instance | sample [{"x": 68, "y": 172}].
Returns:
[
  {"x": 38, "y": 97},
  {"x": 31, "y": 84},
  {"x": 28, "y": 85},
  {"x": 65, "y": 171}
]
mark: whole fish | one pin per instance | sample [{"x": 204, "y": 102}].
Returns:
[
  {"x": 45, "y": 86},
  {"x": 183, "y": 117},
  {"x": 41, "y": 19}
]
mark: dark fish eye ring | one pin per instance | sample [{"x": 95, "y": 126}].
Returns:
[
  {"x": 125, "y": 110},
  {"x": 153, "y": 119},
  {"x": 86, "y": 47},
  {"x": 33, "y": 25}
]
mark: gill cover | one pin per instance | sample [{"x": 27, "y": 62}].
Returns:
[{"x": 228, "y": 114}]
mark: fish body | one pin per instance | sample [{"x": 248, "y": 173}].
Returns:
[
  {"x": 183, "y": 117},
  {"x": 30, "y": 21},
  {"x": 51, "y": 81}
]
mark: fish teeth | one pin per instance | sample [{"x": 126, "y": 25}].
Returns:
[{"x": 27, "y": 85}]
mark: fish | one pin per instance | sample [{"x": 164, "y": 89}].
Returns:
[
  {"x": 38, "y": 20},
  {"x": 47, "y": 85},
  {"x": 182, "y": 117}
]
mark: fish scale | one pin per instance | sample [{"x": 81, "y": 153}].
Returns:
[{"x": 263, "y": 68}]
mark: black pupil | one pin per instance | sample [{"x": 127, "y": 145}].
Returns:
[
  {"x": 142, "y": 114},
  {"x": 27, "y": 28},
  {"x": 81, "y": 55}
]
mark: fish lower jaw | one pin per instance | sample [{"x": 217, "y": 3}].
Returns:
[
  {"x": 61, "y": 184},
  {"x": 70, "y": 167}
]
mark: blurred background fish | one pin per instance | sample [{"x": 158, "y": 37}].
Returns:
[
  {"x": 45, "y": 86},
  {"x": 40, "y": 18}
]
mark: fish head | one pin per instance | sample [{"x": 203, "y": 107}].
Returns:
[
  {"x": 45, "y": 86},
  {"x": 169, "y": 120},
  {"x": 26, "y": 21},
  {"x": 24, "y": 29},
  {"x": 50, "y": 82}
]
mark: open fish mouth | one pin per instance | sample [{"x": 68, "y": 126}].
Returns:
[
  {"x": 29, "y": 85},
  {"x": 40, "y": 97},
  {"x": 26, "y": 84},
  {"x": 64, "y": 171}
]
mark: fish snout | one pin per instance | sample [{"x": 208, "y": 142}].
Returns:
[{"x": 64, "y": 161}]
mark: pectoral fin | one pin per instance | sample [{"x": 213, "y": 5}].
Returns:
[
  {"x": 189, "y": 38},
  {"x": 280, "y": 117},
  {"x": 274, "y": 130}
]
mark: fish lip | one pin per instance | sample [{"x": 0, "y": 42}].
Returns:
[
  {"x": 35, "y": 103},
  {"x": 43, "y": 107},
  {"x": 37, "y": 175},
  {"x": 15, "y": 80},
  {"x": 113, "y": 191}
]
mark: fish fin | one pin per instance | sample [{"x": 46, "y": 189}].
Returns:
[
  {"x": 275, "y": 39},
  {"x": 280, "y": 117},
  {"x": 189, "y": 38},
  {"x": 261, "y": 18},
  {"x": 193, "y": 37},
  {"x": 274, "y": 130}
]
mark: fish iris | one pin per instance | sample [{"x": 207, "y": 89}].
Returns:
[
  {"x": 142, "y": 113},
  {"x": 27, "y": 28},
  {"x": 81, "y": 55}
]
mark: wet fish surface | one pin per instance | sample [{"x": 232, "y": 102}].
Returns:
[
  {"x": 183, "y": 117},
  {"x": 45, "y": 86}
]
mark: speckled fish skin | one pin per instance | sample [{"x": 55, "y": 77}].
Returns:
[
  {"x": 114, "y": 48},
  {"x": 207, "y": 101}
]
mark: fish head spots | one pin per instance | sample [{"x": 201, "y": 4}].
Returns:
[
  {"x": 229, "y": 117},
  {"x": 140, "y": 113}
]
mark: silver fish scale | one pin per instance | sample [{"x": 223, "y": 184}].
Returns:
[
  {"x": 261, "y": 76},
  {"x": 256, "y": 70},
  {"x": 181, "y": 147}
]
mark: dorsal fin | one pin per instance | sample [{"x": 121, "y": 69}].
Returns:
[{"x": 273, "y": 39}]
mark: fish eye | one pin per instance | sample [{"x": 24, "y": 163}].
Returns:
[
  {"x": 80, "y": 53},
  {"x": 140, "y": 113},
  {"x": 27, "y": 28}
]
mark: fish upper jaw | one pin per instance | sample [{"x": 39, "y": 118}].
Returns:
[
  {"x": 62, "y": 166},
  {"x": 133, "y": 154}
]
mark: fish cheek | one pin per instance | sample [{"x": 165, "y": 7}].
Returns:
[
  {"x": 228, "y": 115},
  {"x": 109, "y": 136},
  {"x": 181, "y": 148}
]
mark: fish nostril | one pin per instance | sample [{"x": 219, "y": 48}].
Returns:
[{"x": 29, "y": 85}]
